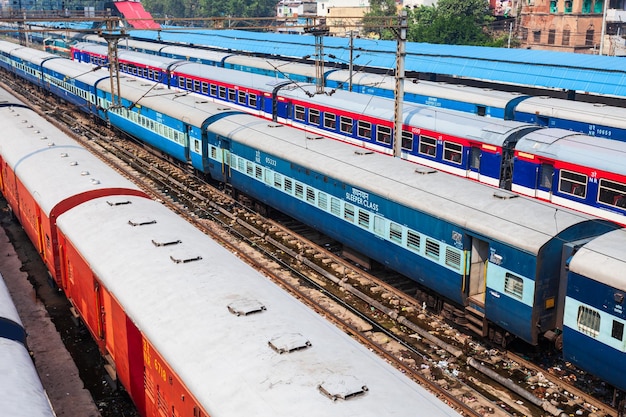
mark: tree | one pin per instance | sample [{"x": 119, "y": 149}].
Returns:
[{"x": 376, "y": 21}]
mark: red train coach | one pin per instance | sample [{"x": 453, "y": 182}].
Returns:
[{"x": 43, "y": 173}]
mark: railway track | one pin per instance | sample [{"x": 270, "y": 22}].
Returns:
[{"x": 393, "y": 324}]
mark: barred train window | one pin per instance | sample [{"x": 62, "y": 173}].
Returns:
[
  {"x": 189, "y": 84},
  {"x": 395, "y": 232},
  {"x": 432, "y": 249},
  {"x": 231, "y": 95},
  {"x": 453, "y": 258},
  {"x": 348, "y": 212},
  {"x": 288, "y": 185},
  {"x": 413, "y": 240},
  {"x": 241, "y": 97},
  {"x": 335, "y": 206},
  {"x": 213, "y": 90},
  {"x": 222, "y": 92},
  {"x": 249, "y": 168},
  {"x": 513, "y": 285},
  {"x": 299, "y": 190},
  {"x": 364, "y": 219},
  {"x": 310, "y": 195},
  {"x": 364, "y": 130},
  {"x": 588, "y": 321},
  {"x": 205, "y": 88},
  {"x": 278, "y": 180},
  {"x": 252, "y": 100},
  {"x": 322, "y": 200},
  {"x": 258, "y": 172},
  {"x": 573, "y": 183}
]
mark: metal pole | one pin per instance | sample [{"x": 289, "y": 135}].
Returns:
[
  {"x": 351, "y": 59},
  {"x": 399, "y": 90},
  {"x": 603, "y": 31}
]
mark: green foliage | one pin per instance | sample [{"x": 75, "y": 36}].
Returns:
[{"x": 210, "y": 8}]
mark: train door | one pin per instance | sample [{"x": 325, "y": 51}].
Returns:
[
  {"x": 225, "y": 146},
  {"x": 545, "y": 181},
  {"x": 187, "y": 142},
  {"x": 476, "y": 288},
  {"x": 474, "y": 163}
]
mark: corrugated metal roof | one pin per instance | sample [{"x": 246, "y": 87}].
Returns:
[{"x": 547, "y": 69}]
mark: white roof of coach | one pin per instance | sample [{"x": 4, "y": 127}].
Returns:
[
  {"x": 7, "y": 308},
  {"x": 49, "y": 163},
  {"x": 603, "y": 259},
  {"x": 179, "y": 296}
]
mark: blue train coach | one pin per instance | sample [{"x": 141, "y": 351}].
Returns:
[{"x": 595, "y": 314}]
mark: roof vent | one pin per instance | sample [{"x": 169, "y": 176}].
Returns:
[
  {"x": 363, "y": 152},
  {"x": 95, "y": 181},
  {"x": 503, "y": 195},
  {"x": 273, "y": 125},
  {"x": 141, "y": 221},
  {"x": 84, "y": 173},
  {"x": 73, "y": 163},
  {"x": 425, "y": 170},
  {"x": 51, "y": 144},
  {"x": 289, "y": 343},
  {"x": 245, "y": 307},
  {"x": 314, "y": 137},
  {"x": 165, "y": 242},
  {"x": 114, "y": 203},
  {"x": 44, "y": 138},
  {"x": 339, "y": 387},
  {"x": 183, "y": 258}
]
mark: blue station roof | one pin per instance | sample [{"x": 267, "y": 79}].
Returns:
[{"x": 593, "y": 74}]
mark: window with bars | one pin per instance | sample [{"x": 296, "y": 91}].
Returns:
[
  {"x": 364, "y": 219},
  {"x": 241, "y": 97},
  {"x": 413, "y": 240},
  {"x": 588, "y": 321},
  {"x": 432, "y": 249},
  {"x": 513, "y": 285},
  {"x": 348, "y": 212},
  {"x": 322, "y": 201},
  {"x": 310, "y": 195},
  {"x": 299, "y": 190},
  {"x": 395, "y": 232},
  {"x": 335, "y": 206},
  {"x": 252, "y": 100}
]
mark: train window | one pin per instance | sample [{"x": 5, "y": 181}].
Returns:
[
  {"x": 181, "y": 82},
  {"x": 379, "y": 225},
  {"x": 452, "y": 152},
  {"x": 314, "y": 117},
  {"x": 383, "y": 134},
  {"x": 612, "y": 193},
  {"x": 268, "y": 177},
  {"x": 573, "y": 183},
  {"x": 395, "y": 232},
  {"x": 278, "y": 180},
  {"x": 288, "y": 185},
  {"x": 258, "y": 172},
  {"x": 241, "y": 97},
  {"x": 618, "y": 330},
  {"x": 299, "y": 190},
  {"x": 252, "y": 100},
  {"x": 249, "y": 168},
  {"x": 189, "y": 84},
  {"x": 330, "y": 121},
  {"x": 348, "y": 212},
  {"x": 513, "y": 285},
  {"x": 432, "y": 249},
  {"x": 428, "y": 146},
  {"x": 588, "y": 321},
  {"x": 413, "y": 240},
  {"x": 213, "y": 90},
  {"x": 345, "y": 124},
  {"x": 310, "y": 195},
  {"x": 364, "y": 219},
  {"x": 151, "y": 74},
  {"x": 481, "y": 110},
  {"x": 196, "y": 86},
  {"x": 196, "y": 146},
  {"x": 407, "y": 140},
  {"x": 240, "y": 164},
  {"x": 322, "y": 201},
  {"x": 298, "y": 113},
  {"x": 222, "y": 92},
  {"x": 453, "y": 258},
  {"x": 364, "y": 130},
  {"x": 546, "y": 175},
  {"x": 231, "y": 95},
  {"x": 205, "y": 88},
  {"x": 335, "y": 206}
]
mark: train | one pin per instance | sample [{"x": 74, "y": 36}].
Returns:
[
  {"x": 500, "y": 261},
  {"x": 21, "y": 391},
  {"x": 186, "y": 327},
  {"x": 594, "y": 119},
  {"x": 557, "y": 165}
]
